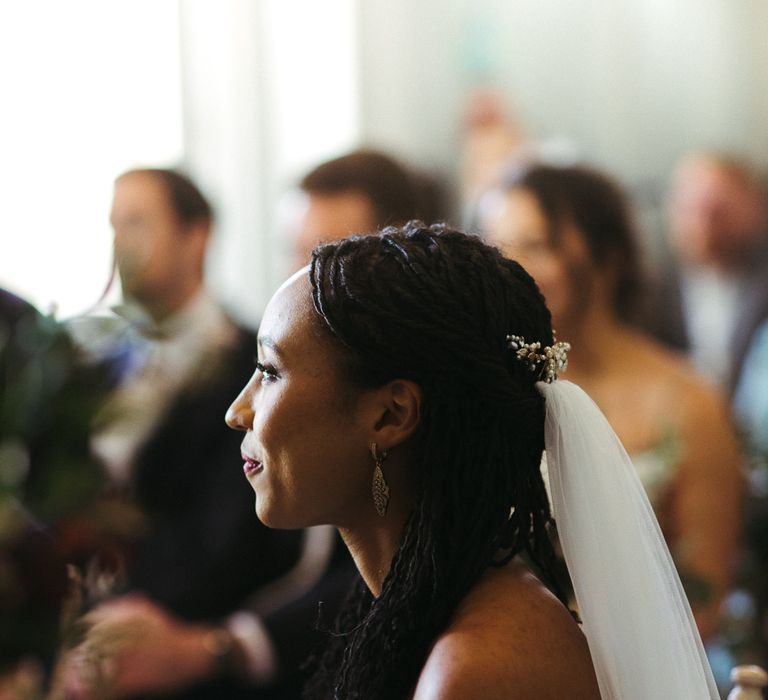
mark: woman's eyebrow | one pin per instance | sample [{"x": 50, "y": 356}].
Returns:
[{"x": 267, "y": 342}]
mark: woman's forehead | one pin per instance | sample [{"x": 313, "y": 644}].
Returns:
[
  {"x": 298, "y": 276},
  {"x": 288, "y": 305},
  {"x": 290, "y": 320}
]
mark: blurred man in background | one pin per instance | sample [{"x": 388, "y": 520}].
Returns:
[
  {"x": 361, "y": 192},
  {"x": 716, "y": 293},
  {"x": 198, "y": 606},
  {"x": 714, "y": 305}
]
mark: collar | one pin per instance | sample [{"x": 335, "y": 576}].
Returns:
[{"x": 200, "y": 316}]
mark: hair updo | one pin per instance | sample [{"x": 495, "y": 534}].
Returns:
[{"x": 434, "y": 306}]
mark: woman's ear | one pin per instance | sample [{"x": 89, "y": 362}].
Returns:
[{"x": 398, "y": 413}]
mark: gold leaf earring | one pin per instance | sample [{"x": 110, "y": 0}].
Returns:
[{"x": 379, "y": 487}]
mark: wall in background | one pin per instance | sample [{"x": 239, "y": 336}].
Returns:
[
  {"x": 629, "y": 86},
  {"x": 266, "y": 96},
  {"x": 249, "y": 94},
  {"x": 634, "y": 83}
]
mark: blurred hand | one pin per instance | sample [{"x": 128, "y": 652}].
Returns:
[{"x": 133, "y": 646}]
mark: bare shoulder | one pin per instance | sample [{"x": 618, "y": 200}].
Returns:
[
  {"x": 509, "y": 638},
  {"x": 702, "y": 406},
  {"x": 654, "y": 357},
  {"x": 682, "y": 386}
]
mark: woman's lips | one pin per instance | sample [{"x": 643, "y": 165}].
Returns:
[{"x": 251, "y": 466}]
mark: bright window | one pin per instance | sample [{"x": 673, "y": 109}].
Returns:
[{"x": 89, "y": 88}]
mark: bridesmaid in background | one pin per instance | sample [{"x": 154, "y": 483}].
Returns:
[{"x": 570, "y": 227}]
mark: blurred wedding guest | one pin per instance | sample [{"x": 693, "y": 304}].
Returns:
[
  {"x": 713, "y": 302},
  {"x": 361, "y": 192},
  {"x": 208, "y": 602},
  {"x": 571, "y": 230},
  {"x": 715, "y": 293}
]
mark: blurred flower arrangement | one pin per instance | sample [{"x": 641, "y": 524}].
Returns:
[
  {"x": 742, "y": 638},
  {"x": 54, "y": 510}
]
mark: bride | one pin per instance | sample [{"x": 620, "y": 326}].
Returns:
[{"x": 404, "y": 393}]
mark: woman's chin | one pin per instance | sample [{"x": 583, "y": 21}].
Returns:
[{"x": 278, "y": 519}]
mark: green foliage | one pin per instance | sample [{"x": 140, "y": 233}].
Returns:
[{"x": 48, "y": 478}]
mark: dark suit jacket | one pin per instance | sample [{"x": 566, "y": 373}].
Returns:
[{"x": 206, "y": 551}]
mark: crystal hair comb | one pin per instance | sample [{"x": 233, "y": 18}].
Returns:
[{"x": 547, "y": 362}]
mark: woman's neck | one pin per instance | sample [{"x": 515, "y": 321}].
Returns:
[
  {"x": 373, "y": 540},
  {"x": 373, "y": 549}
]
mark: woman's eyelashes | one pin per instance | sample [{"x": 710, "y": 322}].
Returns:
[{"x": 268, "y": 373}]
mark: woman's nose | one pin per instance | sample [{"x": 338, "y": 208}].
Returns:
[{"x": 240, "y": 414}]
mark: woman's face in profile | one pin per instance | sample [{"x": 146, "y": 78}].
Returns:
[
  {"x": 305, "y": 450},
  {"x": 562, "y": 268}
]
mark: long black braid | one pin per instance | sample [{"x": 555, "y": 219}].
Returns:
[{"x": 435, "y": 306}]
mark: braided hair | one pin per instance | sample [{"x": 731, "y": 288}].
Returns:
[{"x": 434, "y": 306}]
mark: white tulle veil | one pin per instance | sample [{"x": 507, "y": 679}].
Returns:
[{"x": 641, "y": 633}]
